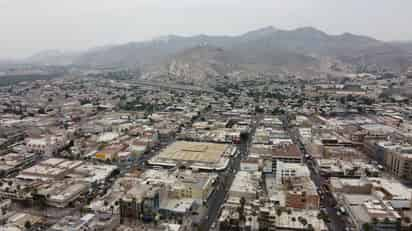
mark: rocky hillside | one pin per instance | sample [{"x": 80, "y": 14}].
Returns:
[{"x": 302, "y": 50}]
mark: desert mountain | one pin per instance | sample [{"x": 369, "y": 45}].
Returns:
[{"x": 262, "y": 50}]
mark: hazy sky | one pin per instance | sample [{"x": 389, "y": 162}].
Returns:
[{"x": 27, "y": 26}]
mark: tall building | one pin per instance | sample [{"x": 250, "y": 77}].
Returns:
[{"x": 399, "y": 162}]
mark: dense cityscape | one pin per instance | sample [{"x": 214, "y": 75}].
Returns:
[
  {"x": 99, "y": 152},
  {"x": 205, "y": 115}
]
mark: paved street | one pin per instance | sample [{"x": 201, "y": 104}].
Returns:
[
  {"x": 336, "y": 222},
  {"x": 227, "y": 178},
  {"x": 219, "y": 196}
]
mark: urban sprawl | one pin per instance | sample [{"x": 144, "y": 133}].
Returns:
[{"x": 96, "y": 152}]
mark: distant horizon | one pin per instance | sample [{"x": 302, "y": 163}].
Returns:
[
  {"x": 74, "y": 51},
  {"x": 29, "y": 27}
]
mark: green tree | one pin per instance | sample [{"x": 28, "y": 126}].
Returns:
[
  {"x": 27, "y": 225},
  {"x": 366, "y": 227},
  {"x": 278, "y": 212}
]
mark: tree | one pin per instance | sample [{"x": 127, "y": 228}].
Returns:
[
  {"x": 366, "y": 227},
  {"x": 259, "y": 109},
  {"x": 303, "y": 221},
  {"x": 322, "y": 216},
  {"x": 102, "y": 145},
  {"x": 41, "y": 111},
  {"x": 278, "y": 212},
  {"x": 27, "y": 225},
  {"x": 242, "y": 208},
  {"x": 71, "y": 204},
  {"x": 342, "y": 100},
  {"x": 112, "y": 209}
]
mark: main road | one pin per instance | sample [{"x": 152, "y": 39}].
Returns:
[
  {"x": 335, "y": 222},
  {"x": 226, "y": 178}
]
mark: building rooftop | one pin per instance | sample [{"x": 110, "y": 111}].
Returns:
[
  {"x": 393, "y": 187},
  {"x": 245, "y": 184},
  {"x": 56, "y": 168},
  {"x": 366, "y": 207},
  {"x": 198, "y": 152},
  {"x": 295, "y": 220},
  {"x": 17, "y": 221},
  {"x": 291, "y": 150},
  {"x": 195, "y": 154}
]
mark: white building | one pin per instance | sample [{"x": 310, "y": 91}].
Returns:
[
  {"x": 245, "y": 185},
  {"x": 290, "y": 170}
]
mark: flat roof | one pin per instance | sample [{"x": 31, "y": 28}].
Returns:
[
  {"x": 199, "y": 155},
  {"x": 392, "y": 186},
  {"x": 290, "y": 150},
  {"x": 192, "y": 151}
]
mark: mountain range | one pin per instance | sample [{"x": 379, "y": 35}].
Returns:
[{"x": 267, "y": 50}]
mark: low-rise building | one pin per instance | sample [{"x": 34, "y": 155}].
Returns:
[
  {"x": 196, "y": 155},
  {"x": 57, "y": 168},
  {"x": 253, "y": 215},
  {"x": 18, "y": 221},
  {"x": 60, "y": 193},
  {"x": 110, "y": 153},
  {"x": 245, "y": 185},
  {"x": 13, "y": 162},
  {"x": 286, "y": 170},
  {"x": 87, "y": 222},
  {"x": 369, "y": 213},
  {"x": 287, "y": 154},
  {"x": 301, "y": 193}
]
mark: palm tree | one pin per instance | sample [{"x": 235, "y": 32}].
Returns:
[
  {"x": 242, "y": 209},
  {"x": 303, "y": 221},
  {"x": 293, "y": 220}
]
